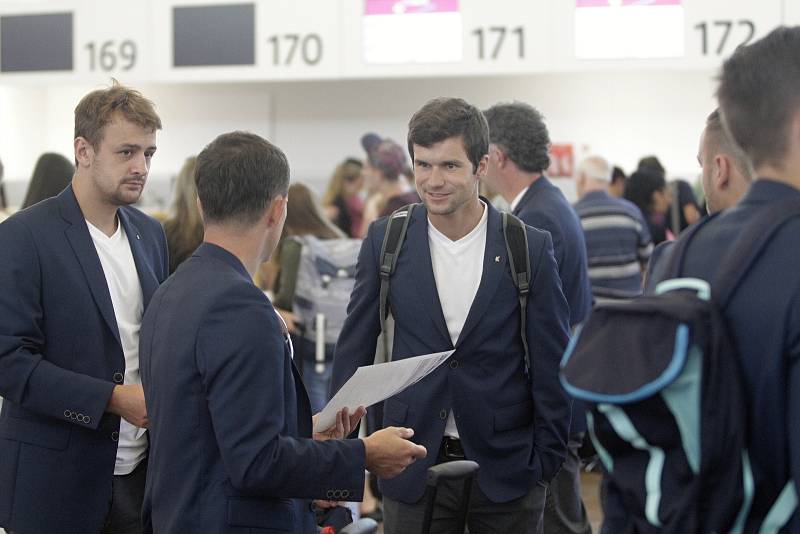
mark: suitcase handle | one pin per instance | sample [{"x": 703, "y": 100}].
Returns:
[
  {"x": 456, "y": 470},
  {"x": 450, "y": 471}
]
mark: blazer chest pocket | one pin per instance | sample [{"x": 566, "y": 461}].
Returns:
[
  {"x": 274, "y": 515},
  {"x": 395, "y": 411},
  {"x": 514, "y": 416},
  {"x": 49, "y": 434}
]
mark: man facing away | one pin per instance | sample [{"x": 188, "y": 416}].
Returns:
[
  {"x": 452, "y": 289},
  {"x": 618, "y": 242},
  {"x": 77, "y": 271},
  {"x": 727, "y": 174},
  {"x": 759, "y": 102},
  {"x": 518, "y": 158},
  {"x": 231, "y": 426}
]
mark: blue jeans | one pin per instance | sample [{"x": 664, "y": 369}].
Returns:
[{"x": 317, "y": 384}]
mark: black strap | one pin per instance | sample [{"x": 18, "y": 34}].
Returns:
[
  {"x": 390, "y": 249},
  {"x": 743, "y": 252},
  {"x": 518, "y": 258}
]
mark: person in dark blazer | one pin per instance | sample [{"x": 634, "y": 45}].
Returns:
[
  {"x": 760, "y": 109},
  {"x": 76, "y": 272},
  {"x": 518, "y": 159},
  {"x": 230, "y": 421},
  {"x": 452, "y": 289}
]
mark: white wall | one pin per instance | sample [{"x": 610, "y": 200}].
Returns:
[{"x": 619, "y": 115}]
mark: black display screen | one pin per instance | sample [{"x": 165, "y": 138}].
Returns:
[
  {"x": 32, "y": 43},
  {"x": 214, "y": 35}
]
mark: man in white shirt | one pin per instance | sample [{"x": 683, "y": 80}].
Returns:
[
  {"x": 452, "y": 289},
  {"x": 77, "y": 272}
]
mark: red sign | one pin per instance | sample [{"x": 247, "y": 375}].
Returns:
[{"x": 562, "y": 160}]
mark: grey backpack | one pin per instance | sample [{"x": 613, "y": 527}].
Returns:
[{"x": 325, "y": 279}]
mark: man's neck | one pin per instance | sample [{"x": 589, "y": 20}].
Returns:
[
  {"x": 517, "y": 183},
  {"x": 95, "y": 209},
  {"x": 593, "y": 187},
  {"x": 244, "y": 245},
  {"x": 787, "y": 174},
  {"x": 457, "y": 225}
]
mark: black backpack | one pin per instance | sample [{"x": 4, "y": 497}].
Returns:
[{"x": 668, "y": 413}]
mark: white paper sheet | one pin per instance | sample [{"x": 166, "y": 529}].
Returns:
[{"x": 374, "y": 383}]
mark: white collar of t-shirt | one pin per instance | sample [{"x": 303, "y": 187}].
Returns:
[{"x": 518, "y": 199}]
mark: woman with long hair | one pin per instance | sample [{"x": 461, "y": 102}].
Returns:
[
  {"x": 184, "y": 229},
  {"x": 52, "y": 173},
  {"x": 304, "y": 218},
  {"x": 342, "y": 203}
]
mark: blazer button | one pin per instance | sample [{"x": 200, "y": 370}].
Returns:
[
  {"x": 345, "y": 494},
  {"x": 115, "y": 436},
  {"x": 118, "y": 377},
  {"x": 443, "y": 414},
  {"x": 67, "y": 414},
  {"x": 329, "y": 495},
  {"x": 453, "y": 364}
]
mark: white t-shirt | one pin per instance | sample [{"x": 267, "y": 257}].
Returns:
[
  {"x": 457, "y": 269},
  {"x": 126, "y": 296}
]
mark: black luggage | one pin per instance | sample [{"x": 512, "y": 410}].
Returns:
[{"x": 459, "y": 469}]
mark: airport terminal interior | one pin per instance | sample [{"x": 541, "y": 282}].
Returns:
[{"x": 622, "y": 96}]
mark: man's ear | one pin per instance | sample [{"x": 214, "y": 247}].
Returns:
[
  {"x": 483, "y": 166},
  {"x": 276, "y": 211},
  {"x": 722, "y": 171},
  {"x": 84, "y": 152}
]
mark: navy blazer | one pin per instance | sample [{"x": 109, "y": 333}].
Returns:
[
  {"x": 515, "y": 429},
  {"x": 544, "y": 206},
  {"x": 60, "y": 357},
  {"x": 229, "y": 416},
  {"x": 764, "y": 319}
]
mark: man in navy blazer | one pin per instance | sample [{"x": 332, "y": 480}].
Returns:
[
  {"x": 761, "y": 111},
  {"x": 230, "y": 421},
  {"x": 452, "y": 289},
  {"x": 76, "y": 272},
  {"x": 518, "y": 159}
]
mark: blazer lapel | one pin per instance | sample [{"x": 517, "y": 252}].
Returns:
[
  {"x": 77, "y": 234},
  {"x": 419, "y": 258},
  {"x": 493, "y": 271},
  {"x": 147, "y": 278}
]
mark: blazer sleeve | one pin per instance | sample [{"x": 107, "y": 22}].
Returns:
[
  {"x": 359, "y": 335},
  {"x": 243, "y": 368},
  {"x": 548, "y": 333},
  {"x": 26, "y": 378}
]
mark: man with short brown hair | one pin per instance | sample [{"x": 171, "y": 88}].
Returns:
[{"x": 76, "y": 273}]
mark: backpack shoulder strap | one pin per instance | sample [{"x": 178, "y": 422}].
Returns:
[
  {"x": 755, "y": 236},
  {"x": 516, "y": 238},
  {"x": 392, "y": 243}
]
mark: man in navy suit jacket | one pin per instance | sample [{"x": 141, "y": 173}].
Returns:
[
  {"x": 76, "y": 273},
  {"x": 518, "y": 158},
  {"x": 762, "y": 113},
  {"x": 452, "y": 289},
  {"x": 231, "y": 446}
]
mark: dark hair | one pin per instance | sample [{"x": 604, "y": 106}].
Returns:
[
  {"x": 520, "y": 131},
  {"x": 651, "y": 164},
  {"x": 718, "y": 139},
  {"x": 640, "y": 187},
  {"x": 96, "y": 110},
  {"x": 443, "y": 118},
  {"x": 759, "y": 94},
  {"x": 617, "y": 174},
  {"x": 238, "y": 174},
  {"x": 52, "y": 173}
]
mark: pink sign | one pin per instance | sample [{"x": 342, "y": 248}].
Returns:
[
  {"x": 403, "y": 7},
  {"x": 609, "y": 3}
]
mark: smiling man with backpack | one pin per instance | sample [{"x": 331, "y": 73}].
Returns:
[{"x": 457, "y": 283}]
